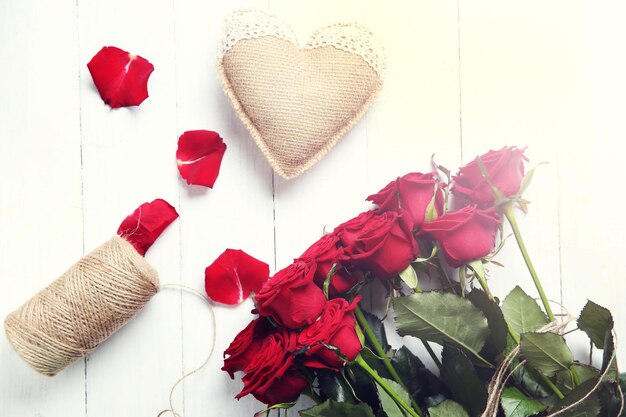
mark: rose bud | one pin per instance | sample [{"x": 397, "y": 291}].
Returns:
[
  {"x": 412, "y": 192},
  {"x": 291, "y": 298},
  {"x": 380, "y": 243},
  {"x": 270, "y": 377},
  {"x": 505, "y": 169},
  {"x": 246, "y": 345},
  {"x": 335, "y": 327},
  {"x": 325, "y": 253},
  {"x": 465, "y": 235}
]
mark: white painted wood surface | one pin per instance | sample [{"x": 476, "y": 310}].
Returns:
[{"x": 463, "y": 77}]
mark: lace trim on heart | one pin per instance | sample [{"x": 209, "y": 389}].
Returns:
[
  {"x": 251, "y": 24},
  {"x": 352, "y": 38}
]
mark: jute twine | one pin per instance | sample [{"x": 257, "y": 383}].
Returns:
[
  {"x": 502, "y": 375},
  {"x": 82, "y": 308}
]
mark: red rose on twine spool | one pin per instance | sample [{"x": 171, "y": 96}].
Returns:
[{"x": 94, "y": 298}]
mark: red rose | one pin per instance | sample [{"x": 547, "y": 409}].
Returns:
[
  {"x": 465, "y": 235},
  {"x": 325, "y": 253},
  {"x": 505, "y": 169},
  {"x": 291, "y": 298},
  {"x": 348, "y": 232},
  {"x": 335, "y": 327},
  {"x": 412, "y": 192},
  {"x": 270, "y": 376},
  {"x": 246, "y": 345},
  {"x": 381, "y": 243}
]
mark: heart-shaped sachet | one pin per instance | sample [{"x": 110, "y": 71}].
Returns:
[{"x": 298, "y": 101}]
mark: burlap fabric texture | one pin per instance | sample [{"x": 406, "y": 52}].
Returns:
[
  {"x": 297, "y": 102},
  {"x": 82, "y": 308}
]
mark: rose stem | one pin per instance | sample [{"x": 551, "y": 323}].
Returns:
[
  {"x": 545, "y": 379},
  {"x": 365, "y": 366},
  {"x": 378, "y": 349},
  {"x": 432, "y": 354},
  {"x": 510, "y": 216}
]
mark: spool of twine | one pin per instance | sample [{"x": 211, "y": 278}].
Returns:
[{"x": 82, "y": 308}]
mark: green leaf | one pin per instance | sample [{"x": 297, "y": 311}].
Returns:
[
  {"x": 447, "y": 408},
  {"x": 546, "y": 352},
  {"x": 460, "y": 375},
  {"x": 332, "y": 408},
  {"x": 363, "y": 385},
  {"x": 333, "y": 385},
  {"x": 609, "y": 359},
  {"x": 611, "y": 399},
  {"x": 420, "y": 382},
  {"x": 281, "y": 406},
  {"x": 565, "y": 379},
  {"x": 431, "y": 211},
  {"x": 528, "y": 178},
  {"x": 596, "y": 321},
  {"x": 441, "y": 318},
  {"x": 525, "y": 376},
  {"x": 590, "y": 407},
  {"x": 388, "y": 404},
  {"x": 409, "y": 276},
  {"x": 496, "y": 341},
  {"x": 379, "y": 329},
  {"x": 516, "y": 404},
  {"x": 522, "y": 312}
]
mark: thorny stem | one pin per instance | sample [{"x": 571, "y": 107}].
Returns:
[
  {"x": 432, "y": 354},
  {"x": 385, "y": 386},
  {"x": 378, "y": 349},
  {"x": 510, "y": 216}
]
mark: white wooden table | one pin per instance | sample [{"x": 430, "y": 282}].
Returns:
[{"x": 463, "y": 77}]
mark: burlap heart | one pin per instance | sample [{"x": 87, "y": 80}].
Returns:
[{"x": 298, "y": 101}]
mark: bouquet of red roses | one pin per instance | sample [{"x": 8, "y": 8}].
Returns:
[{"x": 508, "y": 358}]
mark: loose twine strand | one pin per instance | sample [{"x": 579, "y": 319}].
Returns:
[
  {"x": 204, "y": 298},
  {"x": 502, "y": 375}
]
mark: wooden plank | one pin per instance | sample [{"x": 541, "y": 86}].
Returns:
[
  {"x": 514, "y": 73},
  {"x": 591, "y": 144},
  {"x": 129, "y": 158},
  {"x": 40, "y": 186},
  {"x": 237, "y": 213}
]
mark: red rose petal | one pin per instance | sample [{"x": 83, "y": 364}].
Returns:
[
  {"x": 120, "y": 77},
  {"x": 199, "y": 156},
  {"x": 146, "y": 224},
  {"x": 233, "y": 276}
]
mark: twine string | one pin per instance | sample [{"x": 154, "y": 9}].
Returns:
[
  {"x": 204, "y": 298},
  {"x": 501, "y": 376}
]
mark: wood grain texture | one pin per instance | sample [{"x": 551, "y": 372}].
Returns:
[{"x": 462, "y": 78}]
